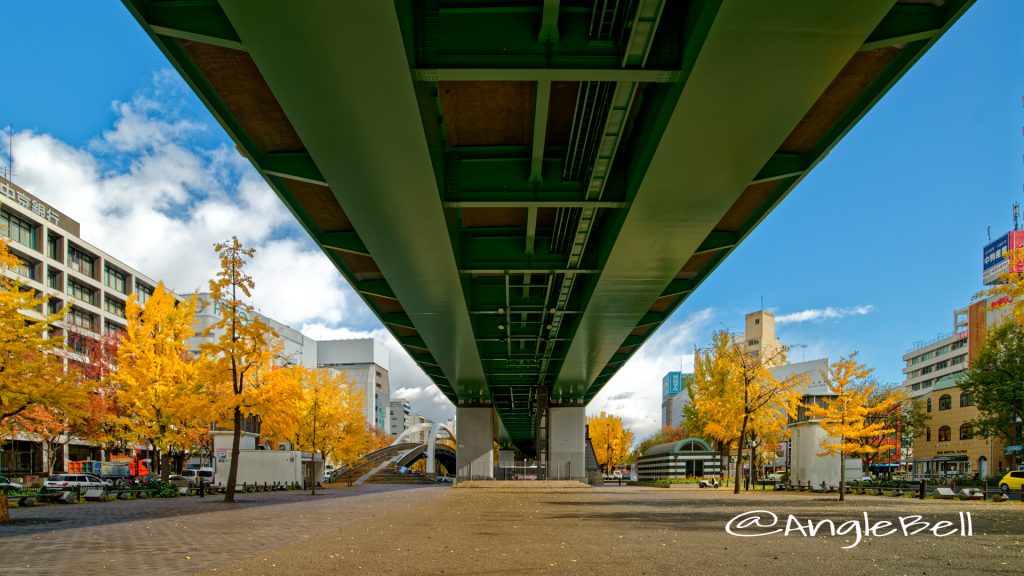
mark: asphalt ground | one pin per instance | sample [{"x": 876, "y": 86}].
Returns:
[{"x": 525, "y": 530}]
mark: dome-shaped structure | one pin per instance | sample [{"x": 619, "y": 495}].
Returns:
[{"x": 689, "y": 457}]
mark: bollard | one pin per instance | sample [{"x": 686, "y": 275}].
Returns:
[
  {"x": 202, "y": 489},
  {"x": 920, "y": 490}
]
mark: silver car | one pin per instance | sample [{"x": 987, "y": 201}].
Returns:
[
  {"x": 72, "y": 481},
  {"x": 7, "y": 485}
]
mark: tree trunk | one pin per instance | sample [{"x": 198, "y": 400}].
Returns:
[
  {"x": 5, "y": 511},
  {"x": 236, "y": 444},
  {"x": 739, "y": 454},
  {"x": 842, "y": 476}
]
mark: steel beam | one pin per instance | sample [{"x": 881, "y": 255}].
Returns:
[
  {"x": 201, "y": 21},
  {"x": 908, "y": 23},
  {"x": 292, "y": 165},
  {"x": 545, "y": 74},
  {"x": 344, "y": 242},
  {"x": 302, "y": 53},
  {"x": 747, "y": 47}
]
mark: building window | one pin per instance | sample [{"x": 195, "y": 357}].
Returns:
[
  {"x": 81, "y": 262},
  {"x": 929, "y": 404},
  {"x": 916, "y": 387},
  {"x": 114, "y": 306},
  {"x": 941, "y": 365},
  {"x": 966, "y": 399},
  {"x": 959, "y": 344},
  {"x": 142, "y": 292},
  {"x": 753, "y": 342},
  {"x": 84, "y": 293},
  {"x": 757, "y": 321},
  {"x": 25, "y": 267},
  {"x": 945, "y": 402},
  {"x": 54, "y": 279},
  {"x": 80, "y": 318},
  {"x": 55, "y": 305},
  {"x": 21, "y": 231},
  {"x": 113, "y": 328},
  {"x": 965, "y": 432},
  {"x": 53, "y": 249},
  {"x": 116, "y": 279},
  {"x": 928, "y": 434},
  {"x": 926, "y": 370},
  {"x": 944, "y": 434}
]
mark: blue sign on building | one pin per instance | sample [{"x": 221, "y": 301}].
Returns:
[{"x": 672, "y": 384}]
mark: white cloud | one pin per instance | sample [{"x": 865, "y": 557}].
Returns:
[
  {"x": 634, "y": 393},
  {"x": 821, "y": 314},
  {"x": 148, "y": 195}
]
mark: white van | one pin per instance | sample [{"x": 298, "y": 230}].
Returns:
[{"x": 194, "y": 475}]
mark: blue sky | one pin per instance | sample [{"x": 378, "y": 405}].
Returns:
[{"x": 887, "y": 230}]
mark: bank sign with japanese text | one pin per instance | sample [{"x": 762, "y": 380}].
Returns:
[{"x": 994, "y": 263}]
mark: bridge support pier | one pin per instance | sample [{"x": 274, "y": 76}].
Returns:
[
  {"x": 475, "y": 456},
  {"x": 566, "y": 443}
]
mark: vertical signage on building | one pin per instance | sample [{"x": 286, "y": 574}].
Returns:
[
  {"x": 672, "y": 384},
  {"x": 994, "y": 263}
]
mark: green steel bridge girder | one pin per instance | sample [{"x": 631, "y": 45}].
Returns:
[{"x": 430, "y": 148}]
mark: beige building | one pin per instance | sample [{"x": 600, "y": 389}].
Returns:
[
  {"x": 759, "y": 333},
  {"x": 949, "y": 446}
]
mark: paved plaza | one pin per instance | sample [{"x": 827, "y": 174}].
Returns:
[{"x": 524, "y": 529}]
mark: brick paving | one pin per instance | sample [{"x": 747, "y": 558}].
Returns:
[
  {"x": 184, "y": 535},
  {"x": 529, "y": 529}
]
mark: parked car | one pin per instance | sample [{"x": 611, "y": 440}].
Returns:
[
  {"x": 8, "y": 485},
  {"x": 71, "y": 481},
  {"x": 775, "y": 477},
  {"x": 195, "y": 474},
  {"x": 1014, "y": 480},
  {"x": 179, "y": 481}
]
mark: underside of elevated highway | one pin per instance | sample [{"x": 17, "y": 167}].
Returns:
[{"x": 524, "y": 191}]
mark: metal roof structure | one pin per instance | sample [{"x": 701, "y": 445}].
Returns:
[{"x": 524, "y": 191}]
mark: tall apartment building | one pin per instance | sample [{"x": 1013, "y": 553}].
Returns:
[
  {"x": 56, "y": 261},
  {"x": 365, "y": 360}
]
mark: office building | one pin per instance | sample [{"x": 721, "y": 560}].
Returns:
[
  {"x": 365, "y": 361},
  {"x": 56, "y": 261}
]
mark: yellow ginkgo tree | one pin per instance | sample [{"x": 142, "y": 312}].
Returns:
[
  {"x": 610, "y": 439},
  {"x": 737, "y": 396},
  {"x": 848, "y": 416},
  {"x": 31, "y": 365},
  {"x": 157, "y": 384},
  {"x": 330, "y": 417},
  {"x": 240, "y": 349}
]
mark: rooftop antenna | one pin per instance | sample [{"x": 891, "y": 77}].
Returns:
[
  {"x": 989, "y": 229},
  {"x": 1016, "y": 216}
]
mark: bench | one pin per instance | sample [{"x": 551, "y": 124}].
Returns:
[{"x": 944, "y": 494}]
